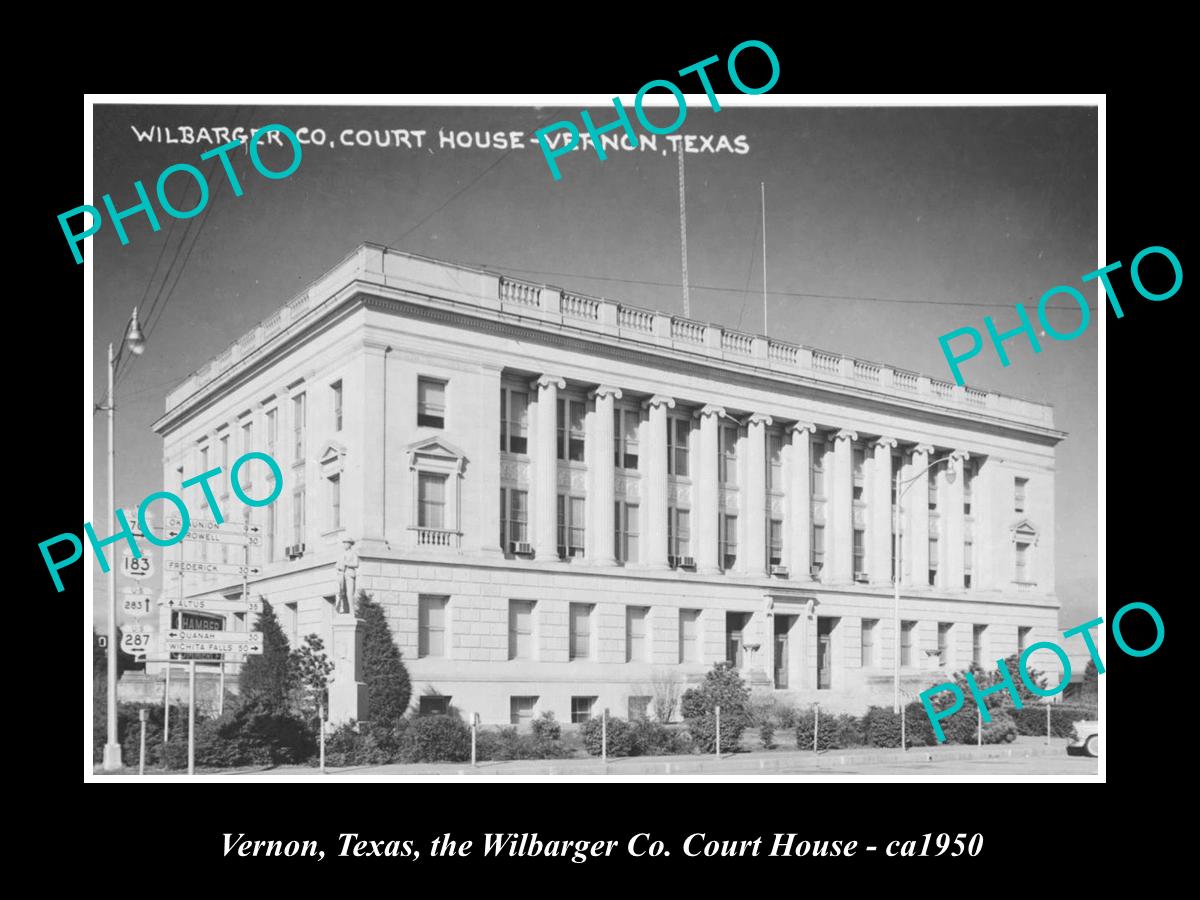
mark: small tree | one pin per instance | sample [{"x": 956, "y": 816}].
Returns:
[
  {"x": 311, "y": 669},
  {"x": 1090, "y": 691},
  {"x": 666, "y": 688},
  {"x": 266, "y": 678},
  {"x": 388, "y": 686},
  {"x": 723, "y": 687}
]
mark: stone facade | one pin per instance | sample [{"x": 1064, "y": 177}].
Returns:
[{"x": 673, "y": 494}]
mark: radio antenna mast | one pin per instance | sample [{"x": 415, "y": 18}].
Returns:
[
  {"x": 687, "y": 306},
  {"x": 763, "y": 190}
]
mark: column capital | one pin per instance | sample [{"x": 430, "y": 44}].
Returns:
[
  {"x": 710, "y": 409},
  {"x": 923, "y": 448},
  {"x": 604, "y": 391},
  {"x": 545, "y": 381},
  {"x": 885, "y": 442},
  {"x": 659, "y": 400},
  {"x": 760, "y": 419},
  {"x": 960, "y": 455},
  {"x": 846, "y": 435},
  {"x": 802, "y": 428}
]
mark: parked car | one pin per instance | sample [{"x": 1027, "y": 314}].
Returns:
[{"x": 1085, "y": 736}]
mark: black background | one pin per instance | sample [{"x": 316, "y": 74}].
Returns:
[{"x": 175, "y": 830}]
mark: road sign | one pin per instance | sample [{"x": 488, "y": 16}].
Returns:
[
  {"x": 216, "y": 604},
  {"x": 103, "y": 642},
  {"x": 136, "y": 605},
  {"x": 137, "y": 568},
  {"x": 177, "y": 565},
  {"x": 175, "y": 525},
  {"x": 222, "y": 537},
  {"x": 135, "y": 640},
  {"x": 232, "y": 637},
  {"x": 218, "y": 642}
]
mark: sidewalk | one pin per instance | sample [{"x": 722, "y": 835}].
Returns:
[{"x": 747, "y": 764}]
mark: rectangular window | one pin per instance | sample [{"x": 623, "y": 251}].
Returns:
[
  {"x": 859, "y": 552},
  {"x": 818, "y": 549},
  {"x": 1022, "y": 573},
  {"x": 521, "y": 710},
  {"x": 514, "y": 518},
  {"x": 933, "y": 491},
  {"x": 638, "y": 708},
  {"x": 1023, "y": 632},
  {"x": 968, "y": 564},
  {"x": 635, "y": 633},
  {"x": 272, "y": 527},
  {"x": 431, "y": 626},
  {"x": 735, "y": 627},
  {"x": 679, "y": 433},
  {"x": 944, "y": 643},
  {"x": 858, "y": 456},
  {"x": 247, "y": 447},
  {"x": 298, "y": 517},
  {"x": 818, "y": 469},
  {"x": 775, "y": 542},
  {"x": 520, "y": 629},
  {"x": 689, "y": 635},
  {"x": 977, "y": 643},
  {"x": 1019, "y": 485},
  {"x": 679, "y": 533},
  {"x": 906, "y": 643},
  {"x": 627, "y": 532},
  {"x": 335, "y": 391},
  {"x": 431, "y": 403},
  {"x": 581, "y": 709},
  {"x": 728, "y": 538},
  {"x": 968, "y": 470},
  {"x": 897, "y": 467},
  {"x": 335, "y": 502},
  {"x": 728, "y": 457},
  {"x": 431, "y": 500},
  {"x": 581, "y": 630},
  {"x": 868, "y": 642},
  {"x": 933, "y": 561},
  {"x": 571, "y": 526},
  {"x": 514, "y": 421},
  {"x": 571, "y": 414},
  {"x": 774, "y": 461},
  {"x": 625, "y": 439},
  {"x": 433, "y": 705},
  {"x": 272, "y": 431},
  {"x": 299, "y": 415},
  {"x": 291, "y": 622},
  {"x": 224, "y": 444}
]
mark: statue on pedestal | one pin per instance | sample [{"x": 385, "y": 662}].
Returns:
[{"x": 347, "y": 577}]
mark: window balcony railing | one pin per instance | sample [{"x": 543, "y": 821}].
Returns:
[
  {"x": 1025, "y": 587},
  {"x": 437, "y": 537}
]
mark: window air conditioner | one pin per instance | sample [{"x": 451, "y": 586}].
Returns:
[
  {"x": 815, "y": 569},
  {"x": 521, "y": 548},
  {"x": 294, "y": 551},
  {"x": 860, "y": 576},
  {"x": 562, "y": 552},
  {"x": 782, "y": 571},
  {"x": 686, "y": 562}
]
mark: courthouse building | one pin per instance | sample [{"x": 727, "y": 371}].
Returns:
[{"x": 560, "y": 499}]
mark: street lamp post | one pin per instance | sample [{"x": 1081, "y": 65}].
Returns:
[
  {"x": 900, "y": 492},
  {"x": 136, "y": 341}
]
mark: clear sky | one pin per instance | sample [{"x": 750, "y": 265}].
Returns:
[{"x": 886, "y": 228}]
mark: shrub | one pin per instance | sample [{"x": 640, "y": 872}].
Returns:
[
  {"x": 503, "y": 744},
  {"x": 825, "y": 724},
  {"x": 388, "y": 685},
  {"x": 364, "y": 744},
  {"x": 766, "y": 733},
  {"x": 436, "y": 739},
  {"x": 1031, "y": 719},
  {"x": 656, "y": 739},
  {"x": 545, "y": 728},
  {"x": 848, "y": 732},
  {"x": 1001, "y": 730},
  {"x": 620, "y": 736},
  {"x": 665, "y": 686},
  {"x": 786, "y": 714},
  {"x": 722, "y": 686}
]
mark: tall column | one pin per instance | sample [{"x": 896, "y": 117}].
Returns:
[
  {"x": 955, "y": 527},
  {"x": 708, "y": 492},
  {"x": 756, "y": 495},
  {"x": 983, "y": 506},
  {"x": 841, "y": 541},
  {"x": 799, "y": 508},
  {"x": 545, "y": 467},
  {"x": 601, "y": 475},
  {"x": 654, "y": 484},
  {"x": 881, "y": 512},
  {"x": 918, "y": 505}
]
